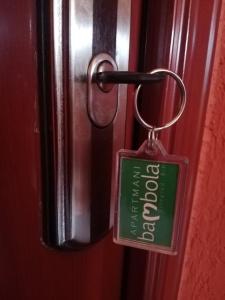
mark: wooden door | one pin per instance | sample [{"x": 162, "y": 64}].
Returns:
[
  {"x": 179, "y": 36},
  {"x": 30, "y": 269}
]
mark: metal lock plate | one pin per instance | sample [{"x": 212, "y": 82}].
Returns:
[
  {"x": 102, "y": 98},
  {"x": 80, "y": 130}
]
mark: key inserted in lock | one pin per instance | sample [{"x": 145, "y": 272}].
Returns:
[
  {"x": 102, "y": 98},
  {"x": 103, "y": 78}
]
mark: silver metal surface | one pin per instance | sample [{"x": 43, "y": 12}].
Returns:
[
  {"x": 84, "y": 127},
  {"x": 102, "y": 106},
  {"x": 182, "y": 105},
  {"x": 105, "y": 66},
  {"x": 85, "y": 137},
  {"x": 80, "y": 54},
  {"x": 58, "y": 72}
]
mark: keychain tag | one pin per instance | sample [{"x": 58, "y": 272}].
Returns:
[
  {"x": 149, "y": 186},
  {"x": 150, "y": 190}
]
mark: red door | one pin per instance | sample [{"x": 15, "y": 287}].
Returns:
[
  {"x": 179, "y": 36},
  {"x": 29, "y": 268}
]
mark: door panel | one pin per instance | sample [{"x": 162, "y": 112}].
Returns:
[
  {"x": 29, "y": 269},
  {"x": 180, "y": 35}
]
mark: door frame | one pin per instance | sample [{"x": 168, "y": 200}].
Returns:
[{"x": 181, "y": 36}]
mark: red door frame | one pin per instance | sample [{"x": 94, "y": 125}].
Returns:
[{"x": 181, "y": 36}]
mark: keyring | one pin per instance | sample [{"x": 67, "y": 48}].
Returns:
[{"x": 182, "y": 106}]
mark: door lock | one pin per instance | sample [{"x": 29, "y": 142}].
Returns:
[{"x": 103, "y": 77}]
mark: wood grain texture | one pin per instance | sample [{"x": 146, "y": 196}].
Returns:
[
  {"x": 203, "y": 275},
  {"x": 29, "y": 270},
  {"x": 191, "y": 54},
  {"x": 192, "y": 46},
  {"x": 179, "y": 35}
]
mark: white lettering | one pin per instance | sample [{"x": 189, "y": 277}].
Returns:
[
  {"x": 149, "y": 197},
  {"x": 150, "y": 205},
  {"x": 151, "y": 185},
  {"x": 147, "y": 236},
  {"x": 153, "y": 168},
  {"x": 146, "y": 213}
]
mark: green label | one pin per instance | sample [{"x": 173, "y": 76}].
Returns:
[{"x": 147, "y": 201}]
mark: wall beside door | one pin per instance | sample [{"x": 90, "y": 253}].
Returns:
[{"x": 203, "y": 275}]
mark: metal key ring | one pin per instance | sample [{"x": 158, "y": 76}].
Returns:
[{"x": 182, "y": 106}]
